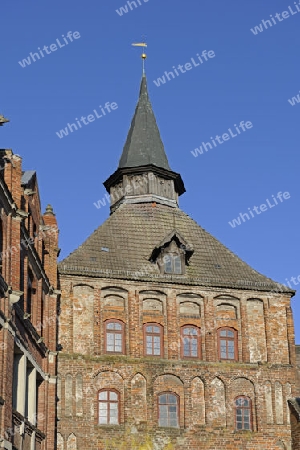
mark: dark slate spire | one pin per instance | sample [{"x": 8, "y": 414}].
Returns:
[{"x": 144, "y": 145}]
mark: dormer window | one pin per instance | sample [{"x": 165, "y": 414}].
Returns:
[
  {"x": 172, "y": 259},
  {"x": 172, "y": 254}
]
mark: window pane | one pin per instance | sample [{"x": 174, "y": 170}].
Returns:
[
  {"x": 230, "y": 349},
  {"x": 155, "y": 329},
  {"x": 113, "y": 396},
  {"x": 172, "y": 398},
  {"x": 223, "y": 333},
  {"x": 186, "y": 349},
  {"x": 162, "y": 399},
  {"x": 168, "y": 264},
  {"x": 223, "y": 348},
  {"x": 177, "y": 264},
  {"x": 173, "y": 423},
  {"x": 194, "y": 350},
  {"x": 247, "y": 415},
  {"x": 103, "y": 395},
  {"x": 149, "y": 329},
  {"x": 103, "y": 420},
  {"x": 114, "y": 409},
  {"x": 230, "y": 333},
  {"x": 113, "y": 420},
  {"x": 114, "y": 326},
  {"x": 163, "y": 411},
  {"x": 163, "y": 422}
]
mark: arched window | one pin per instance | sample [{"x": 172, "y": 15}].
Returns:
[
  {"x": 243, "y": 413},
  {"x": 191, "y": 342},
  {"x": 153, "y": 339},
  {"x": 168, "y": 410},
  {"x": 227, "y": 343},
  {"x": 114, "y": 336},
  {"x": 109, "y": 407}
]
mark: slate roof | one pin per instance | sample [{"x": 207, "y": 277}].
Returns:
[
  {"x": 144, "y": 145},
  {"x": 122, "y": 246},
  {"x": 27, "y": 176}
]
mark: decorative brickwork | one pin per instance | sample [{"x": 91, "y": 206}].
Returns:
[
  {"x": 206, "y": 388},
  {"x": 28, "y": 311}
]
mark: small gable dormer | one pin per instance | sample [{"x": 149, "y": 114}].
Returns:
[{"x": 172, "y": 255}]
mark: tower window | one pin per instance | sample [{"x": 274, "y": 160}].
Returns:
[
  {"x": 168, "y": 409},
  {"x": 114, "y": 336},
  {"x": 191, "y": 343},
  {"x": 109, "y": 407},
  {"x": 227, "y": 343},
  {"x": 153, "y": 339},
  {"x": 243, "y": 414}
]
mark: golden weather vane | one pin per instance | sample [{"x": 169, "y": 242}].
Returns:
[
  {"x": 3, "y": 120},
  {"x": 143, "y": 55}
]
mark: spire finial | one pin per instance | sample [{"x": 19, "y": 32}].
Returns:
[
  {"x": 143, "y": 55},
  {"x": 3, "y": 120}
]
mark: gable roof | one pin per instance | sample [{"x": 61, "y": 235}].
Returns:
[{"x": 122, "y": 245}]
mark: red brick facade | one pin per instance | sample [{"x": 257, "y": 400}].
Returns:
[
  {"x": 169, "y": 340},
  {"x": 206, "y": 388},
  {"x": 28, "y": 312}
]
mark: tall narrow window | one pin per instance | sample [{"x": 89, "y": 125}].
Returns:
[
  {"x": 243, "y": 415},
  {"x": 108, "y": 407},
  {"x": 29, "y": 292},
  {"x": 114, "y": 336},
  {"x": 153, "y": 339},
  {"x": 191, "y": 343},
  {"x": 227, "y": 342},
  {"x": 168, "y": 410}
]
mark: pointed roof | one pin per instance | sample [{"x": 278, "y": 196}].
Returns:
[{"x": 144, "y": 145}]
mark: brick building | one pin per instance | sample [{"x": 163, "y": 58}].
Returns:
[
  {"x": 169, "y": 340},
  {"x": 28, "y": 311}
]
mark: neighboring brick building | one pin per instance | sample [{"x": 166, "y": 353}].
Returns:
[
  {"x": 28, "y": 311},
  {"x": 169, "y": 340}
]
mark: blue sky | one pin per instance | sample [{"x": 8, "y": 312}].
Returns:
[{"x": 250, "y": 78}]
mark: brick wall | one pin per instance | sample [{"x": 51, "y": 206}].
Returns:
[
  {"x": 28, "y": 311},
  {"x": 206, "y": 388}
]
